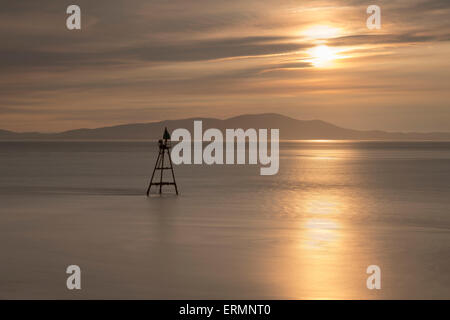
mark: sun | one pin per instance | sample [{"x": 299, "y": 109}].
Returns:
[{"x": 322, "y": 56}]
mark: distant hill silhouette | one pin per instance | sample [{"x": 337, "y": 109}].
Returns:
[{"x": 290, "y": 129}]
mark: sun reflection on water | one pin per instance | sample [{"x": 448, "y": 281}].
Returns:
[
  {"x": 320, "y": 245},
  {"x": 321, "y": 226},
  {"x": 320, "y": 233},
  {"x": 319, "y": 256}
]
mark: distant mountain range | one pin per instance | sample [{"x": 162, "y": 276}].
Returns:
[{"x": 290, "y": 129}]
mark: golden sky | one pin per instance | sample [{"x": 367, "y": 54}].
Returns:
[{"x": 142, "y": 61}]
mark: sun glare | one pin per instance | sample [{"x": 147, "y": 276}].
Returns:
[{"x": 322, "y": 56}]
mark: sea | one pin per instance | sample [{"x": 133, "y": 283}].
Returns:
[{"x": 334, "y": 209}]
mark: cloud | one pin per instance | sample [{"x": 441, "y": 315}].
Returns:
[
  {"x": 145, "y": 53},
  {"x": 380, "y": 39},
  {"x": 217, "y": 49}
]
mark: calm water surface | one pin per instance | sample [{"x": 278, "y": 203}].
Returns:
[{"x": 307, "y": 233}]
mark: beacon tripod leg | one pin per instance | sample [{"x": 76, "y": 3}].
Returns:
[
  {"x": 173, "y": 175},
  {"x": 153, "y": 174},
  {"x": 162, "y": 170}
]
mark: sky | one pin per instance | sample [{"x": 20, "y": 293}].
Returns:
[{"x": 150, "y": 60}]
